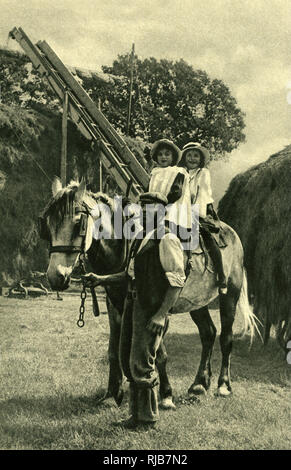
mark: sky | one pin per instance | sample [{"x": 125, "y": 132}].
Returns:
[{"x": 245, "y": 43}]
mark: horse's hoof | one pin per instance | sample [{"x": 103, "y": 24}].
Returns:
[
  {"x": 167, "y": 404},
  {"x": 223, "y": 391},
  {"x": 197, "y": 390}
]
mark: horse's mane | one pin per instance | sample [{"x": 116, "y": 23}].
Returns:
[
  {"x": 63, "y": 202},
  {"x": 102, "y": 197}
]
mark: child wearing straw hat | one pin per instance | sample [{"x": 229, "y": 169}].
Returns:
[
  {"x": 172, "y": 181},
  {"x": 195, "y": 158}
]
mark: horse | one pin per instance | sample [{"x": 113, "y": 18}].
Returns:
[
  {"x": 62, "y": 220},
  {"x": 62, "y": 224}
]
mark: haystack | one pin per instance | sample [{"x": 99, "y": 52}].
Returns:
[
  {"x": 30, "y": 148},
  {"x": 257, "y": 205}
]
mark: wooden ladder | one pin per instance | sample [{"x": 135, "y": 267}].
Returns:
[{"x": 116, "y": 157}]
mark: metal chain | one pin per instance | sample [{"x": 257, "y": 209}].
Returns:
[{"x": 81, "y": 321}]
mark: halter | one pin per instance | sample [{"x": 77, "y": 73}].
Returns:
[
  {"x": 70, "y": 249},
  {"x": 44, "y": 234},
  {"x": 82, "y": 233}
]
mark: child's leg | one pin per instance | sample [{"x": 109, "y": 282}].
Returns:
[{"x": 216, "y": 257}]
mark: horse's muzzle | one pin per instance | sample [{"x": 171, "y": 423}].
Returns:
[{"x": 60, "y": 278}]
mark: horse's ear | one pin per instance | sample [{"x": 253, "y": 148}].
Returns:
[
  {"x": 56, "y": 185},
  {"x": 81, "y": 191}
]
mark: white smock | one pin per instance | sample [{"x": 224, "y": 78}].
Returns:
[
  {"x": 200, "y": 189},
  {"x": 161, "y": 181}
]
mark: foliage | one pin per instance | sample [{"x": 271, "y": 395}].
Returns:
[
  {"x": 21, "y": 85},
  {"x": 171, "y": 99}
]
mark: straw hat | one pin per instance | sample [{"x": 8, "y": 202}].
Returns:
[
  {"x": 166, "y": 143},
  {"x": 195, "y": 146}
]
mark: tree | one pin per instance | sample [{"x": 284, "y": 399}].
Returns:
[{"x": 171, "y": 99}]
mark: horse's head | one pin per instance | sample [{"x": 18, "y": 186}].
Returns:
[{"x": 68, "y": 225}]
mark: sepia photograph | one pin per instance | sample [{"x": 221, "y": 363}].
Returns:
[{"x": 145, "y": 196}]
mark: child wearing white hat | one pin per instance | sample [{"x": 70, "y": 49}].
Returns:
[
  {"x": 173, "y": 182},
  {"x": 195, "y": 158}
]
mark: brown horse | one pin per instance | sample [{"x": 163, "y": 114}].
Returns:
[{"x": 63, "y": 222}]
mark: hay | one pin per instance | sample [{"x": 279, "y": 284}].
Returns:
[
  {"x": 28, "y": 138},
  {"x": 258, "y": 206}
]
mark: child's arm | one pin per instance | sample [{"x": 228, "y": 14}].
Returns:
[{"x": 204, "y": 193}]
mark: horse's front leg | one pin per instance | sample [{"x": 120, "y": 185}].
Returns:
[
  {"x": 207, "y": 333},
  {"x": 228, "y": 304},
  {"x": 114, "y": 389}
]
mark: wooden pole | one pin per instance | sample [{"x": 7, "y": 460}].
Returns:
[
  {"x": 130, "y": 90},
  {"x": 64, "y": 140}
]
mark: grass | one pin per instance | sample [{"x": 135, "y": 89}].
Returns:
[{"x": 51, "y": 372}]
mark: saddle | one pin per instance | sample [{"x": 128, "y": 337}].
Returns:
[{"x": 202, "y": 250}]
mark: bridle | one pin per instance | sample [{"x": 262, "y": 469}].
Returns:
[
  {"x": 80, "y": 249},
  {"x": 70, "y": 249}
]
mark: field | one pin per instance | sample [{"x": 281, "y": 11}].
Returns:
[{"x": 52, "y": 372}]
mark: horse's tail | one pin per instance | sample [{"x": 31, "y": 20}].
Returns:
[{"x": 250, "y": 320}]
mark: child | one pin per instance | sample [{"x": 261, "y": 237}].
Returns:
[
  {"x": 173, "y": 182},
  {"x": 194, "y": 159}
]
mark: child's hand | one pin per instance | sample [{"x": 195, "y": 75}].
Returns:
[{"x": 91, "y": 280}]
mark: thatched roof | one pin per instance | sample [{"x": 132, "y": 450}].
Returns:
[
  {"x": 257, "y": 205},
  {"x": 78, "y": 72}
]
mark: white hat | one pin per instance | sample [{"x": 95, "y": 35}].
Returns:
[{"x": 197, "y": 146}]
